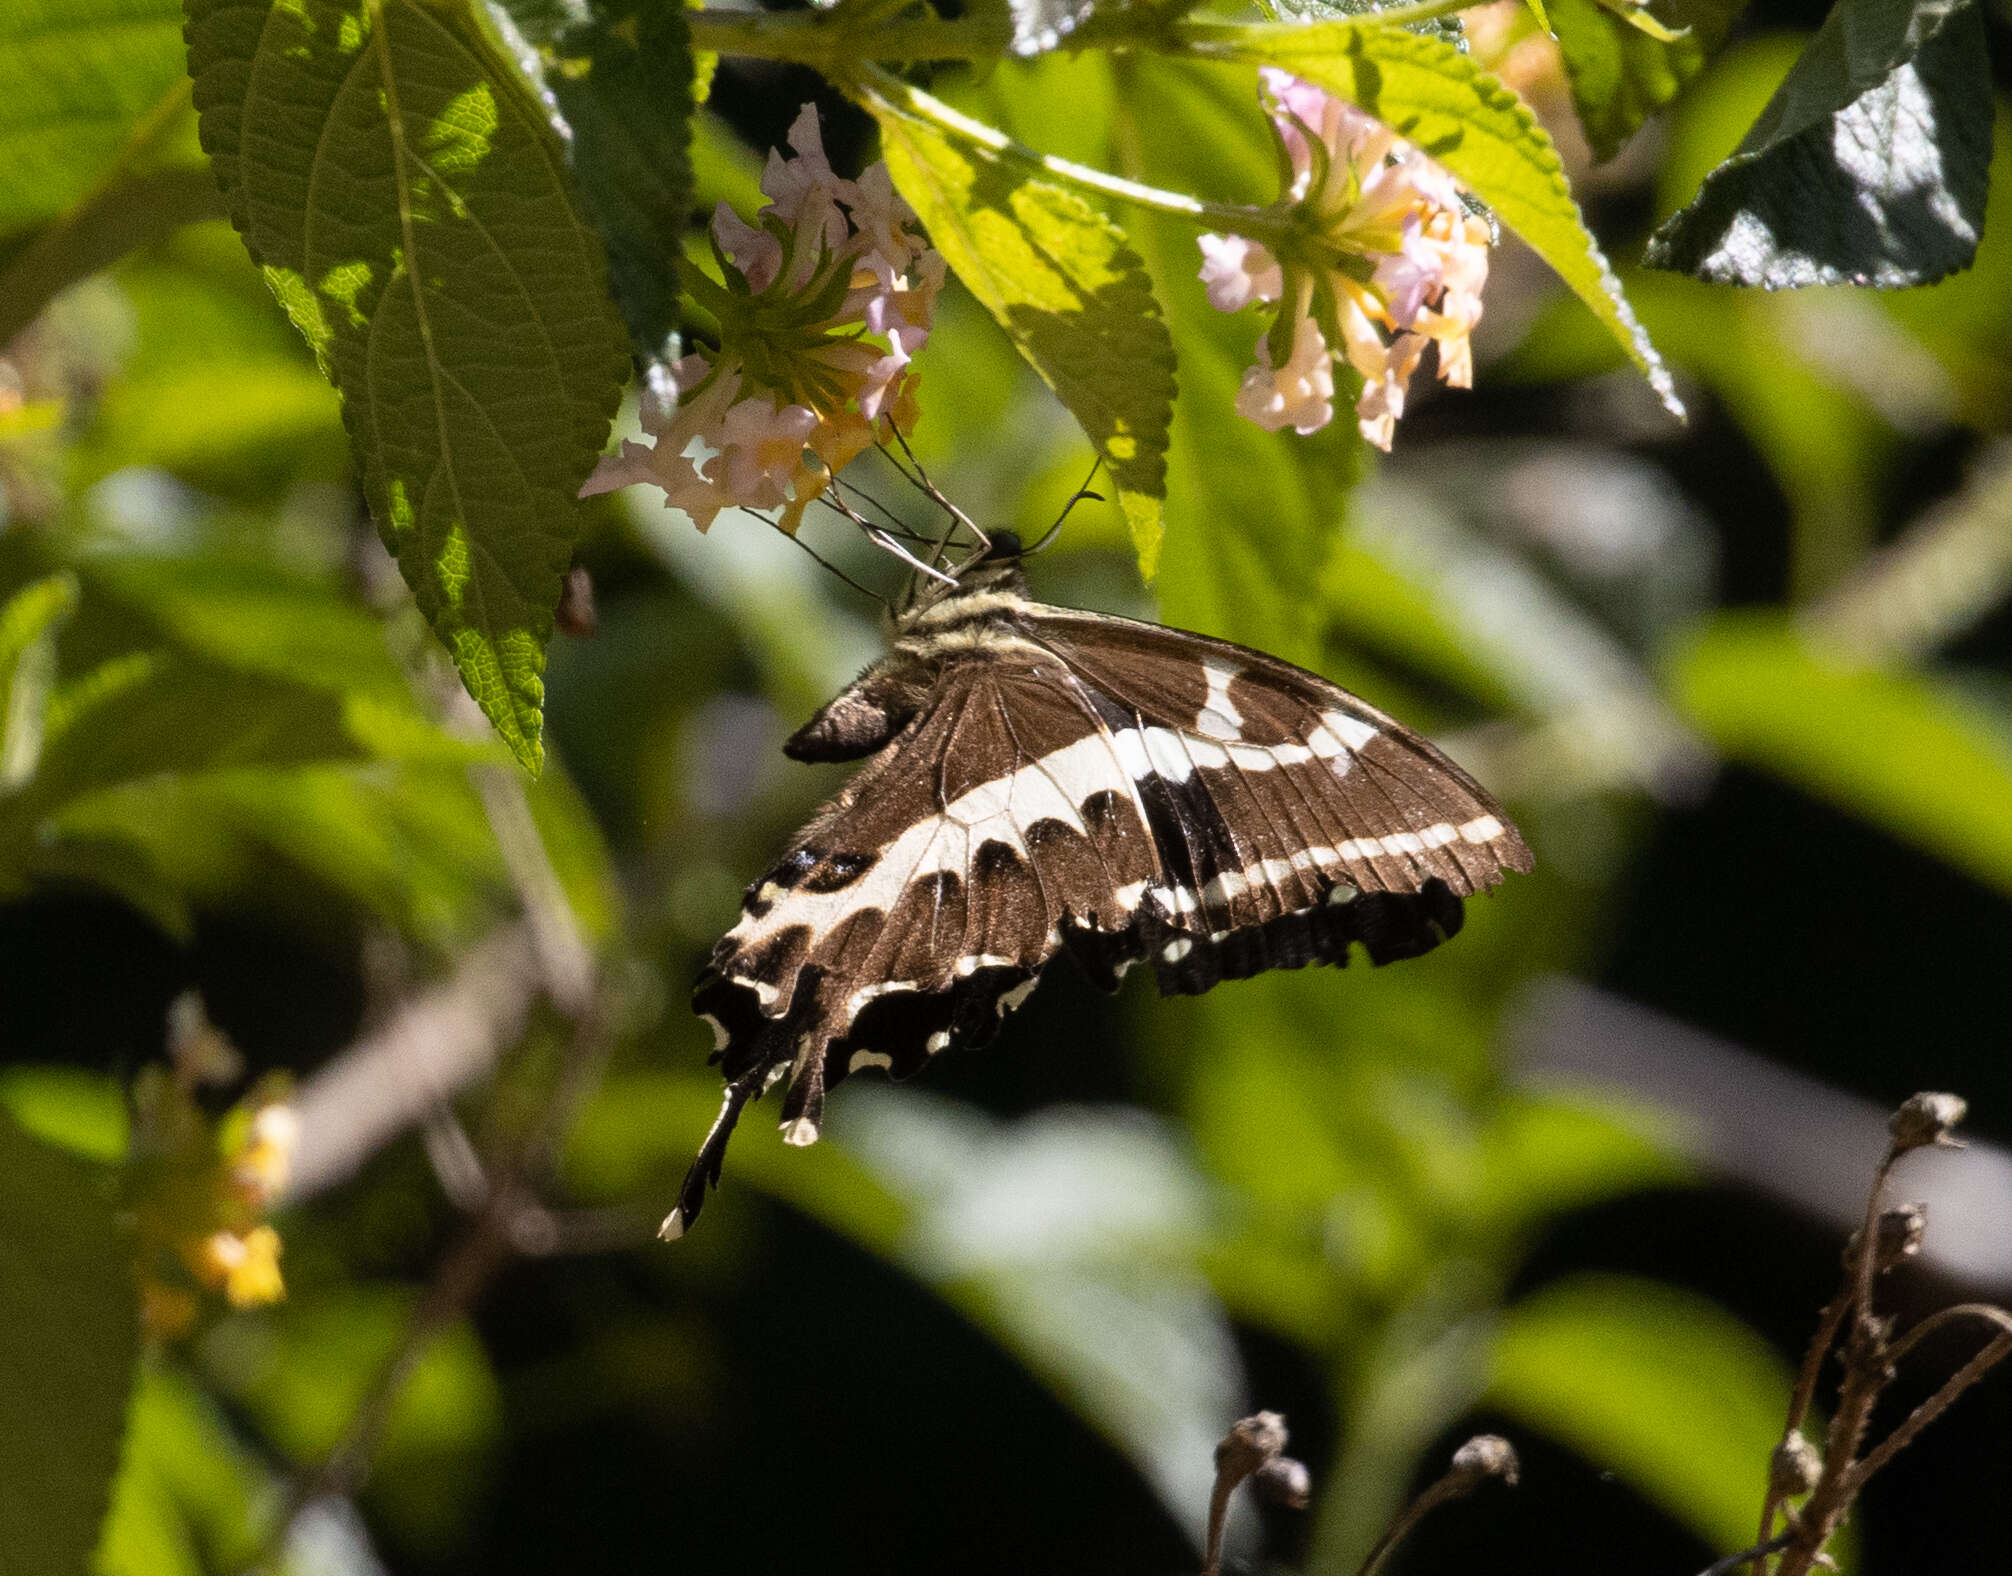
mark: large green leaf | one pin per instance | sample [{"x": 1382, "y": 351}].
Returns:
[
  {"x": 1621, "y": 75},
  {"x": 27, "y": 664},
  {"x": 96, "y": 139},
  {"x": 1658, "y": 1385},
  {"x": 1061, "y": 279},
  {"x": 620, "y": 75},
  {"x": 1909, "y": 754},
  {"x": 77, "y": 79},
  {"x": 1437, "y": 98},
  {"x": 301, "y": 1370},
  {"x": 192, "y": 1499},
  {"x": 69, "y": 1339},
  {"x": 1869, "y": 166},
  {"x": 411, "y": 209}
]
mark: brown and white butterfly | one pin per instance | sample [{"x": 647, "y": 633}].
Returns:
[{"x": 1045, "y": 780}]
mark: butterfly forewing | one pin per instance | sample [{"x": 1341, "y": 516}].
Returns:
[{"x": 1071, "y": 780}]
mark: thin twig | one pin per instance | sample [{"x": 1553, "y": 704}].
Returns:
[
  {"x": 1482, "y": 1457},
  {"x": 1994, "y": 1353},
  {"x": 1759, "y": 1551}
]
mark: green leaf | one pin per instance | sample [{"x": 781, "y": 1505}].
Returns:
[
  {"x": 155, "y": 712},
  {"x": 1916, "y": 757},
  {"x": 621, "y": 77},
  {"x": 69, "y": 1340},
  {"x": 408, "y": 845},
  {"x": 1436, "y": 98},
  {"x": 80, "y": 1111},
  {"x": 1061, "y": 279},
  {"x": 120, "y": 218},
  {"x": 78, "y": 78},
  {"x": 1621, "y": 75},
  {"x": 1663, "y": 1388},
  {"x": 411, "y": 210},
  {"x": 1074, "y": 1237},
  {"x": 27, "y": 664},
  {"x": 1869, "y": 165},
  {"x": 302, "y": 1369},
  {"x": 640, "y": 1131},
  {"x": 190, "y": 1499}
]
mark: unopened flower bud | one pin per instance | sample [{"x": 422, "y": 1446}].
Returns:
[
  {"x": 1925, "y": 1119},
  {"x": 1249, "y": 1444},
  {"x": 1795, "y": 1466},
  {"x": 1898, "y": 1235},
  {"x": 1283, "y": 1481},
  {"x": 1486, "y": 1456}
]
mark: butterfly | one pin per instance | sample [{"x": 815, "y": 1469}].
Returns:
[{"x": 1042, "y": 780}]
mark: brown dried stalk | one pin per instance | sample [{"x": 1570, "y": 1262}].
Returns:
[{"x": 1868, "y": 1350}]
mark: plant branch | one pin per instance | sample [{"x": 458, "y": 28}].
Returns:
[
  {"x": 842, "y": 40},
  {"x": 1733, "y": 1562}
]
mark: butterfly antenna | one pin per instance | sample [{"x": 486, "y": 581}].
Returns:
[
  {"x": 885, "y": 542},
  {"x": 936, "y": 495},
  {"x": 1078, "y": 496},
  {"x": 865, "y": 591}
]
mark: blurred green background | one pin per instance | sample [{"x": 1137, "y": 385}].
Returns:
[{"x": 1746, "y": 684}]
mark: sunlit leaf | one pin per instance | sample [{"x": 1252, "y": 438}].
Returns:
[
  {"x": 80, "y": 1111},
  {"x": 27, "y": 664},
  {"x": 1062, "y": 280},
  {"x": 1911, "y": 755},
  {"x": 409, "y": 206},
  {"x": 1437, "y": 98},
  {"x": 69, "y": 1339},
  {"x": 1869, "y": 165},
  {"x": 1665, "y": 1389}
]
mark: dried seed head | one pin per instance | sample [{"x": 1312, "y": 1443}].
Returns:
[
  {"x": 1283, "y": 1481},
  {"x": 1898, "y": 1235},
  {"x": 1795, "y": 1466},
  {"x": 1249, "y": 1444},
  {"x": 1485, "y": 1456},
  {"x": 1927, "y": 1119}
]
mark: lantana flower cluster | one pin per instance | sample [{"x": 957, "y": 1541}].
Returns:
[
  {"x": 202, "y": 1187},
  {"x": 822, "y": 304},
  {"x": 1381, "y": 259}
]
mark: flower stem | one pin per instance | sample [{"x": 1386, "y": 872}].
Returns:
[
  {"x": 872, "y": 83},
  {"x": 835, "y": 40}
]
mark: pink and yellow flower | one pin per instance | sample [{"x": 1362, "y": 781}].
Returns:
[
  {"x": 1379, "y": 257},
  {"x": 821, "y": 306}
]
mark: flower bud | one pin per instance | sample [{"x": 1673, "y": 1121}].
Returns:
[
  {"x": 1794, "y": 1467},
  {"x": 1925, "y": 1119},
  {"x": 1283, "y": 1481},
  {"x": 1486, "y": 1456},
  {"x": 1250, "y": 1443}
]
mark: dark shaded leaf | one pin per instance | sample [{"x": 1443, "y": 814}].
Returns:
[
  {"x": 1868, "y": 166},
  {"x": 620, "y": 73},
  {"x": 1621, "y": 75},
  {"x": 69, "y": 1340}
]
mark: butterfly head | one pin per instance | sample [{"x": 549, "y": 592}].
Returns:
[{"x": 992, "y": 584}]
